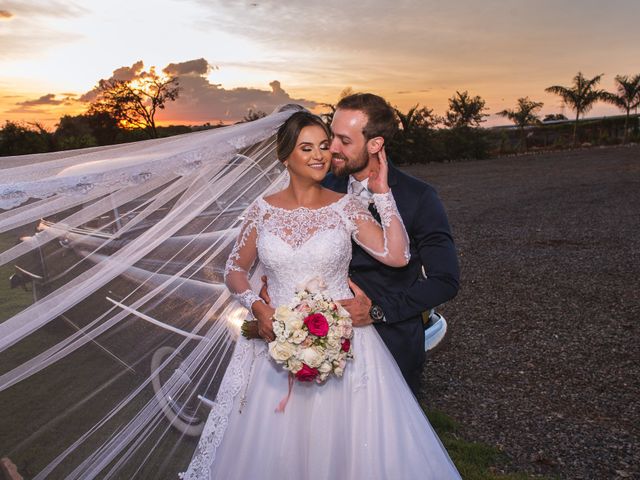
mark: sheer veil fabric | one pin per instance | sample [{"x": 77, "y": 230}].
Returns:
[{"x": 119, "y": 319}]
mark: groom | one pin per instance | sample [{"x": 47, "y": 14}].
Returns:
[{"x": 393, "y": 299}]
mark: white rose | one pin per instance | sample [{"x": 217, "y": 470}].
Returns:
[
  {"x": 325, "y": 367},
  {"x": 295, "y": 365},
  {"x": 315, "y": 285},
  {"x": 298, "y": 336},
  {"x": 278, "y": 329},
  {"x": 283, "y": 313},
  {"x": 335, "y": 352},
  {"x": 333, "y": 342},
  {"x": 346, "y": 331},
  {"x": 295, "y": 323},
  {"x": 281, "y": 351},
  {"x": 311, "y": 356}
]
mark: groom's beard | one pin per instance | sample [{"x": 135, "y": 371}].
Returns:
[{"x": 350, "y": 165}]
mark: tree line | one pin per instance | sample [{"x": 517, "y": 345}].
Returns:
[
  {"x": 425, "y": 137},
  {"x": 125, "y": 111}
]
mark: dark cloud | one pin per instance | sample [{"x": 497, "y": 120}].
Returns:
[
  {"x": 197, "y": 67},
  {"x": 28, "y": 110},
  {"x": 89, "y": 97},
  {"x": 127, "y": 74},
  {"x": 5, "y": 14},
  {"x": 49, "y": 99},
  {"x": 200, "y": 100},
  {"x": 406, "y": 92},
  {"x": 203, "y": 101},
  {"x": 276, "y": 89}
]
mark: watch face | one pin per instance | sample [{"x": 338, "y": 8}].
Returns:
[{"x": 376, "y": 313}]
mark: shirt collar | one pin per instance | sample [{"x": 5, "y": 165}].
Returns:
[{"x": 364, "y": 183}]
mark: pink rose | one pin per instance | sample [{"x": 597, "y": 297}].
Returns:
[
  {"x": 346, "y": 345},
  {"x": 304, "y": 308},
  {"x": 306, "y": 373},
  {"x": 317, "y": 324}
]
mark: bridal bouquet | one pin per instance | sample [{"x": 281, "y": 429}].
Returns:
[{"x": 313, "y": 335}]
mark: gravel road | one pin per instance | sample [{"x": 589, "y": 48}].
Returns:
[{"x": 543, "y": 359}]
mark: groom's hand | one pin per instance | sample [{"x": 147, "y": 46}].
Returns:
[{"x": 358, "y": 306}]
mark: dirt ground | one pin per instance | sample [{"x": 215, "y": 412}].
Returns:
[{"x": 543, "y": 359}]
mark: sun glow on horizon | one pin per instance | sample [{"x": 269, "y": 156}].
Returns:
[{"x": 422, "y": 54}]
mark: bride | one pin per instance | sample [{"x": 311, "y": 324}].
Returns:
[{"x": 364, "y": 425}]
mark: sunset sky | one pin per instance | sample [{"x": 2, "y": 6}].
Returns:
[{"x": 234, "y": 55}]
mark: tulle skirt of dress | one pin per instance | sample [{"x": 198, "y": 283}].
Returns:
[{"x": 365, "y": 425}]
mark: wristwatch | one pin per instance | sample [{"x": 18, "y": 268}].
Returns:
[{"x": 376, "y": 313}]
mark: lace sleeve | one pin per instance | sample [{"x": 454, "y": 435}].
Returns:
[
  {"x": 242, "y": 258},
  {"x": 388, "y": 243}
]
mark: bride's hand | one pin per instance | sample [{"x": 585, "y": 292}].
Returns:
[
  {"x": 264, "y": 314},
  {"x": 378, "y": 181}
]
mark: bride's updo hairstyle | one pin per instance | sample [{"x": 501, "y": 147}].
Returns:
[{"x": 290, "y": 130}]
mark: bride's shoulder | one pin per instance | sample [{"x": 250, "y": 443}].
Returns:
[
  {"x": 270, "y": 198},
  {"x": 333, "y": 197}
]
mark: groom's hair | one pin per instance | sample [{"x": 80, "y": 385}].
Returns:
[
  {"x": 381, "y": 117},
  {"x": 290, "y": 130}
]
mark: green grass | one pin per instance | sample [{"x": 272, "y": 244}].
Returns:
[
  {"x": 475, "y": 461},
  {"x": 39, "y": 410},
  {"x": 13, "y": 300}
]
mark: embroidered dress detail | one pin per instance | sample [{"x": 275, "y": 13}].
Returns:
[{"x": 294, "y": 247}]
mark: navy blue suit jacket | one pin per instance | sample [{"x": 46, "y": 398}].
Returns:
[{"x": 404, "y": 293}]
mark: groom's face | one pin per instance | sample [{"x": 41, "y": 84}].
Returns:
[{"x": 349, "y": 146}]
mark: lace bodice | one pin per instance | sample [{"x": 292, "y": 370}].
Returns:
[{"x": 295, "y": 246}]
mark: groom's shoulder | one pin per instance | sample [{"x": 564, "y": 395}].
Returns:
[{"x": 332, "y": 182}]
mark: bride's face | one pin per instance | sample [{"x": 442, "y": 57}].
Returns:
[{"x": 311, "y": 157}]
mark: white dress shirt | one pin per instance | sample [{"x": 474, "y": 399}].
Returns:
[{"x": 364, "y": 195}]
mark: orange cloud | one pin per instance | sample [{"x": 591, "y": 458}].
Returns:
[
  {"x": 201, "y": 101},
  {"x": 49, "y": 99},
  {"x": 197, "y": 67}
]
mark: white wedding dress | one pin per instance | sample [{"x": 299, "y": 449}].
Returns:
[{"x": 366, "y": 424}]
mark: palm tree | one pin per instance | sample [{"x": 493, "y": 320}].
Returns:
[
  {"x": 407, "y": 120},
  {"x": 416, "y": 118},
  {"x": 523, "y": 116},
  {"x": 627, "y": 97},
  {"x": 580, "y": 96},
  {"x": 415, "y": 137},
  {"x": 465, "y": 111}
]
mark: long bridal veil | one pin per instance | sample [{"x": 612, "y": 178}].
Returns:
[{"x": 116, "y": 328}]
